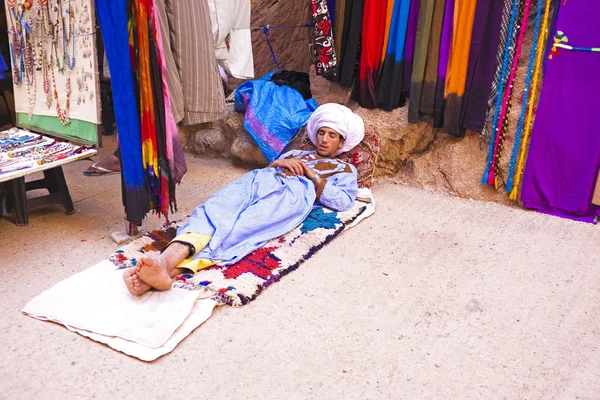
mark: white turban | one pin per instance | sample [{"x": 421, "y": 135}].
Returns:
[{"x": 339, "y": 118}]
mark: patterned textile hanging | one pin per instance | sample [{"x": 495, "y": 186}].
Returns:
[
  {"x": 502, "y": 126},
  {"x": 324, "y": 49},
  {"x": 502, "y": 79},
  {"x": 531, "y": 82},
  {"x": 506, "y": 36}
]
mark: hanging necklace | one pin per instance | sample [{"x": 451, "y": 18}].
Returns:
[
  {"x": 63, "y": 115},
  {"x": 70, "y": 38}
]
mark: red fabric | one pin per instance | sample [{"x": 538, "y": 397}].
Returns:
[{"x": 373, "y": 33}]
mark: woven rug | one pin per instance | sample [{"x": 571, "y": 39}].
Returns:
[{"x": 240, "y": 283}]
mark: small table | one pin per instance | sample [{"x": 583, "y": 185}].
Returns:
[{"x": 54, "y": 181}]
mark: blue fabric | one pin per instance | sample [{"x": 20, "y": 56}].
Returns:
[
  {"x": 264, "y": 204},
  {"x": 274, "y": 114},
  {"x": 112, "y": 18}
]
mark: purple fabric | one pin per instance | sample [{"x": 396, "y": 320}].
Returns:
[
  {"x": 409, "y": 49},
  {"x": 446, "y": 40},
  {"x": 564, "y": 156},
  {"x": 482, "y": 63},
  {"x": 262, "y": 132},
  {"x": 445, "y": 45}
]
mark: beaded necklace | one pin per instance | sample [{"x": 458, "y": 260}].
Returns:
[{"x": 63, "y": 115}]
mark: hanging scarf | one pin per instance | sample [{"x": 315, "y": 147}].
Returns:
[
  {"x": 389, "y": 85},
  {"x": 373, "y": 31},
  {"x": 464, "y": 15},
  {"x": 324, "y": 49},
  {"x": 409, "y": 47},
  {"x": 445, "y": 44},
  {"x": 112, "y": 18}
]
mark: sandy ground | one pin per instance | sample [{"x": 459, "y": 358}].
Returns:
[{"x": 432, "y": 297}]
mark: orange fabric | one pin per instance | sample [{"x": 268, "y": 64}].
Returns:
[
  {"x": 464, "y": 15},
  {"x": 388, "y": 22}
]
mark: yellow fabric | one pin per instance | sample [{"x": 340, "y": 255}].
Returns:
[{"x": 199, "y": 241}]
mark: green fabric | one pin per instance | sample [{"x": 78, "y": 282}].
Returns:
[{"x": 77, "y": 129}]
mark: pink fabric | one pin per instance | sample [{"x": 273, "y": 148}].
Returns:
[
  {"x": 170, "y": 124},
  {"x": 513, "y": 73}
]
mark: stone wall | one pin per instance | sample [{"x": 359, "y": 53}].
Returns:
[{"x": 412, "y": 154}]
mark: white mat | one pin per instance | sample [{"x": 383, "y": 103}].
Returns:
[{"x": 96, "y": 304}]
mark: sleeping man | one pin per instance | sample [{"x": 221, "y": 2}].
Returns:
[{"x": 263, "y": 204}]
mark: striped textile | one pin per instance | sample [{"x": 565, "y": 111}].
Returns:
[
  {"x": 193, "y": 51},
  {"x": 173, "y": 78}
]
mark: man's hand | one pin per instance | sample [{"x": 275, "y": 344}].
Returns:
[{"x": 296, "y": 167}]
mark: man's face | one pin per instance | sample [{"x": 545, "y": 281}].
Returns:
[{"x": 328, "y": 142}]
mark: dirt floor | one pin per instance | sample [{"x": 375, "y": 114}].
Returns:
[{"x": 432, "y": 297}]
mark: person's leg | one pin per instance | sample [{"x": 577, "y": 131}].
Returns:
[{"x": 156, "y": 272}]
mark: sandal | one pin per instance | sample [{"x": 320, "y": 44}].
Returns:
[{"x": 95, "y": 170}]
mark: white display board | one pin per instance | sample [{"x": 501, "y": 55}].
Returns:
[{"x": 54, "y": 60}]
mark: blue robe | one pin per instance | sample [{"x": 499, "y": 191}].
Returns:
[{"x": 266, "y": 203}]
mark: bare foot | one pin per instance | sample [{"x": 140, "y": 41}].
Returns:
[
  {"x": 135, "y": 286},
  {"x": 154, "y": 273}
]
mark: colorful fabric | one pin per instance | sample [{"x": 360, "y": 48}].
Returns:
[
  {"x": 339, "y": 118},
  {"x": 427, "y": 99},
  {"x": 112, "y": 18},
  {"x": 273, "y": 113},
  {"x": 338, "y": 28},
  {"x": 242, "y": 282},
  {"x": 539, "y": 62},
  {"x": 324, "y": 48},
  {"x": 409, "y": 48},
  {"x": 564, "y": 155},
  {"x": 502, "y": 83},
  {"x": 373, "y": 31},
  {"x": 389, "y": 88},
  {"x": 482, "y": 64},
  {"x": 502, "y": 126},
  {"x": 506, "y": 35},
  {"x": 525, "y": 105},
  {"x": 464, "y": 14},
  {"x": 353, "y": 20},
  {"x": 266, "y": 203},
  {"x": 420, "y": 58},
  {"x": 445, "y": 47}
]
